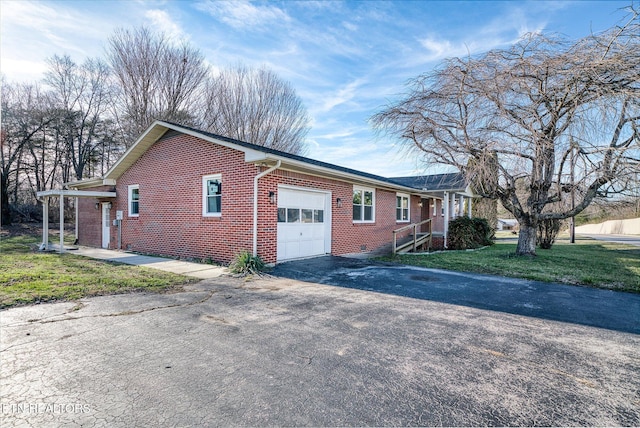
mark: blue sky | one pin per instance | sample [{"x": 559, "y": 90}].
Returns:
[{"x": 346, "y": 60}]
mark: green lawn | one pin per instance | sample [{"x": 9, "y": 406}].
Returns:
[
  {"x": 29, "y": 276},
  {"x": 587, "y": 262}
]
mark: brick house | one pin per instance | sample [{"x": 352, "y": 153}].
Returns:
[{"x": 186, "y": 193}]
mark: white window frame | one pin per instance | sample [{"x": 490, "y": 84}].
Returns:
[
  {"x": 205, "y": 204},
  {"x": 373, "y": 203},
  {"x": 130, "y": 190},
  {"x": 408, "y": 198}
]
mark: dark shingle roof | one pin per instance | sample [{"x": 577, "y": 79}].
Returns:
[
  {"x": 433, "y": 183},
  {"x": 295, "y": 157}
]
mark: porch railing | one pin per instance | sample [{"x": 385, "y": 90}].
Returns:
[{"x": 419, "y": 238}]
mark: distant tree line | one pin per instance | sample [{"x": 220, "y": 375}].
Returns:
[{"x": 80, "y": 118}]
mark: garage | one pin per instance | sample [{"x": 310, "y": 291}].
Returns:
[{"x": 304, "y": 223}]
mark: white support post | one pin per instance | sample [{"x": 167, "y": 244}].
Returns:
[
  {"x": 445, "y": 204},
  {"x": 460, "y": 206},
  {"x": 77, "y": 211},
  {"x": 452, "y": 207},
  {"x": 45, "y": 223},
  {"x": 469, "y": 202},
  {"x": 61, "y": 224}
]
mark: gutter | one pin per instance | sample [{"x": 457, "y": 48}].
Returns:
[{"x": 255, "y": 204}]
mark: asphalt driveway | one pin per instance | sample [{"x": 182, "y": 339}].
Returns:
[
  {"x": 580, "y": 305},
  {"x": 280, "y": 352}
]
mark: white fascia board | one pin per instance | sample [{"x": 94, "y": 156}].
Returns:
[
  {"x": 91, "y": 182},
  {"x": 254, "y": 156},
  {"x": 157, "y": 128},
  {"x": 466, "y": 192},
  {"x": 352, "y": 178},
  {"x": 75, "y": 193}
]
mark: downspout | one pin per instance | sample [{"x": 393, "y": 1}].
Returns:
[{"x": 255, "y": 204}]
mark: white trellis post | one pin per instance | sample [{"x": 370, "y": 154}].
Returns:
[
  {"x": 445, "y": 205},
  {"x": 61, "y": 223}
]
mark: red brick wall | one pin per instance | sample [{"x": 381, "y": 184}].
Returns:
[
  {"x": 170, "y": 218},
  {"x": 346, "y": 236},
  {"x": 90, "y": 219},
  {"x": 170, "y": 222},
  {"x": 437, "y": 221}
]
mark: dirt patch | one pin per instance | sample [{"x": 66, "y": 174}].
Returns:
[{"x": 31, "y": 229}]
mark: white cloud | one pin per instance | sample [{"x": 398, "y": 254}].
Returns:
[
  {"x": 350, "y": 26},
  {"x": 243, "y": 14},
  {"x": 438, "y": 49},
  {"x": 338, "y": 134},
  {"x": 34, "y": 31},
  {"x": 504, "y": 30},
  {"x": 162, "y": 20},
  {"x": 23, "y": 70},
  {"x": 341, "y": 96}
]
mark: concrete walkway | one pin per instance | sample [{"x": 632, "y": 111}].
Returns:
[{"x": 197, "y": 270}]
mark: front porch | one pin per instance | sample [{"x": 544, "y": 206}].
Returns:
[{"x": 61, "y": 194}]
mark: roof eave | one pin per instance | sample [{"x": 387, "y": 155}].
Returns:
[
  {"x": 159, "y": 128},
  {"x": 303, "y": 167},
  {"x": 137, "y": 149},
  {"x": 90, "y": 182}
]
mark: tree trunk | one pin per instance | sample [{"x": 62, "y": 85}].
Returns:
[
  {"x": 527, "y": 240},
  {"x": 5, "y": 217}
]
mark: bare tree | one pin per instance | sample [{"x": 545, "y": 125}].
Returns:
[
  {"x": 24, "y": 119},
  {"x": 258, "y": 107},
  {"x": 81, "y": 96},
  {"x": 158, "y": 79},
  {"x": 562, "y": 118}
]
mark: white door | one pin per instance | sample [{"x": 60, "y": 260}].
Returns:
[
  {"x": 106, "y": 224},
  {"x": 304, "y": 223}
]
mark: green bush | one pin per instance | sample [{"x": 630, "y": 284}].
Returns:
[
  {"x": 467, "y": 233},
  {"x": 246, "y": 264}
]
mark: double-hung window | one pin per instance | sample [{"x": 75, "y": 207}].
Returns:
[
  {"x": 402, "y": 207},
  {"x": 134, "y": 200},
  {"x": 212, "y": 195},
  {"x": 363, "y": 205}
]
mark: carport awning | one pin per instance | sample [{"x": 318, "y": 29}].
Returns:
[{"x": 62, "y": 193}]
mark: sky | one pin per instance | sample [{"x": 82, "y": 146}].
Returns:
[{"x": 347, "y": 60}]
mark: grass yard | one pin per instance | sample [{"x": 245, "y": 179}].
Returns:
[
  {"x": 29, "y": 276},
  {"x": 587, "y": 262}
]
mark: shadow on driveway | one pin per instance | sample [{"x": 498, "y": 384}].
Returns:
[{"x": 607, "y": 309}]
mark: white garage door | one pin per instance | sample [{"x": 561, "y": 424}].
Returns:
[{"x": 304, "y": 226}]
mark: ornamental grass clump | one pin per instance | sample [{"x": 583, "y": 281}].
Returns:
[{"x": 247, "y": 264}]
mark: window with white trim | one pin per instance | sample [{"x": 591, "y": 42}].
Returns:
[
  {"x": 363, "y": 205},
  {"x": 402, "y": 207},
  {"x": 134, "y": 200},
  {"x": 212, "y": 195}
]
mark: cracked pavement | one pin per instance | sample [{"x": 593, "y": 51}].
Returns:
[{"x": 276, "y": 352}]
